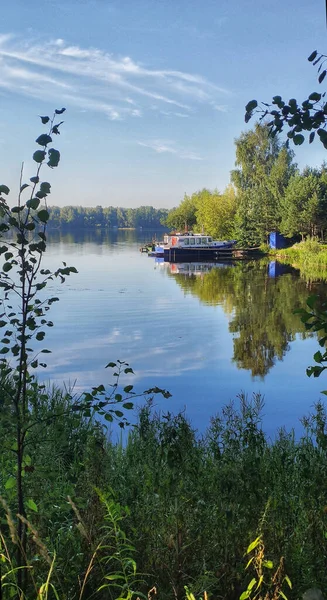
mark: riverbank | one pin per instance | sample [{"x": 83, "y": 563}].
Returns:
[{"x": 310, "y": 257}]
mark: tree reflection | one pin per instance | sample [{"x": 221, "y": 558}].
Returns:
[{"x": 260, "y": 300}]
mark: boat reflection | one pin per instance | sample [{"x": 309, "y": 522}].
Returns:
[{"x": 191, "y": 268}]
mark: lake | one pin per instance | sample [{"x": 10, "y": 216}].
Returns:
[{"x": 205, "y": 333}]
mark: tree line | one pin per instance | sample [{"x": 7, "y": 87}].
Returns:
[
  {"x": 267, "y": 192},
  {"x": 81, "y": 217}
]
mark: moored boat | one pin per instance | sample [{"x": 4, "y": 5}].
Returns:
[{"x": 191, "y": 245}]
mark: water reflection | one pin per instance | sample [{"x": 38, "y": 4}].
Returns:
[{"x": 259, "y": 299}]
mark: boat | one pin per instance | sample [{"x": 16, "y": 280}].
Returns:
[{"x": 191, "y": 245}]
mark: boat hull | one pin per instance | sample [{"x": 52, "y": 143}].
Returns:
[{"x": 197, "y": 254}]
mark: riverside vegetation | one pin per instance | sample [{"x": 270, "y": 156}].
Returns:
[
  {"x": 169, "y": 511},
  {"x": 267, "y": 191}
]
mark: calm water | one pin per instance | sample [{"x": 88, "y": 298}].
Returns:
[{"x": 204, "y": 334}]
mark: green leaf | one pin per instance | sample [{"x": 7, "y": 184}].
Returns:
[
  {"x": 40, "y": 335},
  {"x": 298, "y": 139},
  {"x": 288, "y": 581},
  {"x": 43, "y": 215},
  {"x": 45, "y": 120},
  {"x": 59, "y": 111},
  {"x": 45, "y": 187},
  {"x": 119, "y": 413},
  {"x": 23, "y": 187},
  {"x": 35, "y": 179},
  {"x": 128, "y": 405},
  {"x": 252, "y": 583},
  {"x": 39, "y": 156},
  {"x": 4, "y": 189},
  {"x": 254, "y": 544},
  {"x": 251, "y": 106},
  {"x": 118, "y": 397},
  {"x": 278, "y": 100},
  {"x": 250, "y": 561},
  {"x": 10, "y": 483},
  {"x": 315, "y": 96},
  {"x": 318, "y": 357},
  {"x": 128, "y": 388},
  {"x": 114, "y": 577},
  {"x": 245, "y": 595},
  {"x": 54, "y": 158},
  {"x": 268, "y": 564},
  {"x": 108, "y": 417},
  {"x": 33, "y": 203},
  {"x": 40, "y": 194},
  {"x": 7, "y": 267},
  {"x": 311, "y": 137},
  {"x": 111, "y": 365},
  {"x": 312, "y": 56},
  {"x": 44, "y": 139},
  {"x": 55, "y": 128},
  {"x": 311, "y": 301},
  {"x": 322, "y": 76},
  {"x": 31, "y": 505},
  {"x": 282, "y": 595}
]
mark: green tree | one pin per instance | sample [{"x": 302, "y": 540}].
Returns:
[
  {"x": 216, "y": 212},
  {"x": 184, "y": 216},
  {"x": 263, "y": 170},
  {"x": 300, "y": 206}
]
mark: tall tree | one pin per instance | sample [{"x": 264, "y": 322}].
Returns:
[
  {"x": 216, "y": 212},
  {"x": 263, "y": 170},
  {"x": 184, "y": 216},
  {"x": 304, "y": 204}
]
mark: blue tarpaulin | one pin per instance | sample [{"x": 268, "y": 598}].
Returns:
[{"x": 276, "y": 240}]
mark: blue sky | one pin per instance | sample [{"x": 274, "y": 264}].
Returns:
[{"x": 154, "y": 89}]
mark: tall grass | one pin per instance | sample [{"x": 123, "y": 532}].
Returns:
[
  {"x": 184, "y": 508},
  {"x": 310, "y": 257}
]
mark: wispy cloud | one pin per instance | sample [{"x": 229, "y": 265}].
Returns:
[
  {"x": 169, "y": 147},
  {"x": 92, "y": 79}
]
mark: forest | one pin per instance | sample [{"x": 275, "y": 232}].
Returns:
[
  {"x": 82, "y": 217},
  {"x": 267, "y": 192}
]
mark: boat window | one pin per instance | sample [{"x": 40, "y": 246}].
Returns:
[
  {"x": 192, "y": 241},
  {"x": 186, "y": 242},
  {"x": 204, "y": 240}
]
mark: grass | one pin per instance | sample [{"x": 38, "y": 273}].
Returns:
[
  {"x": 310, "y": 257},
  {"x": 182, "y": 507}
]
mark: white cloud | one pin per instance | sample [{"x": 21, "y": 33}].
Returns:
[
  {"x": 220, "y": 107},
  {"x": 169, "y": 147},
  {"x": 84, "y": 76}
]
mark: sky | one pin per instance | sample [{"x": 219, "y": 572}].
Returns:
[{"x": 154, "y": 90}]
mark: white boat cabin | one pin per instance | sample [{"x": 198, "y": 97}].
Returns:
[{"x": 188, "y": 240}]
